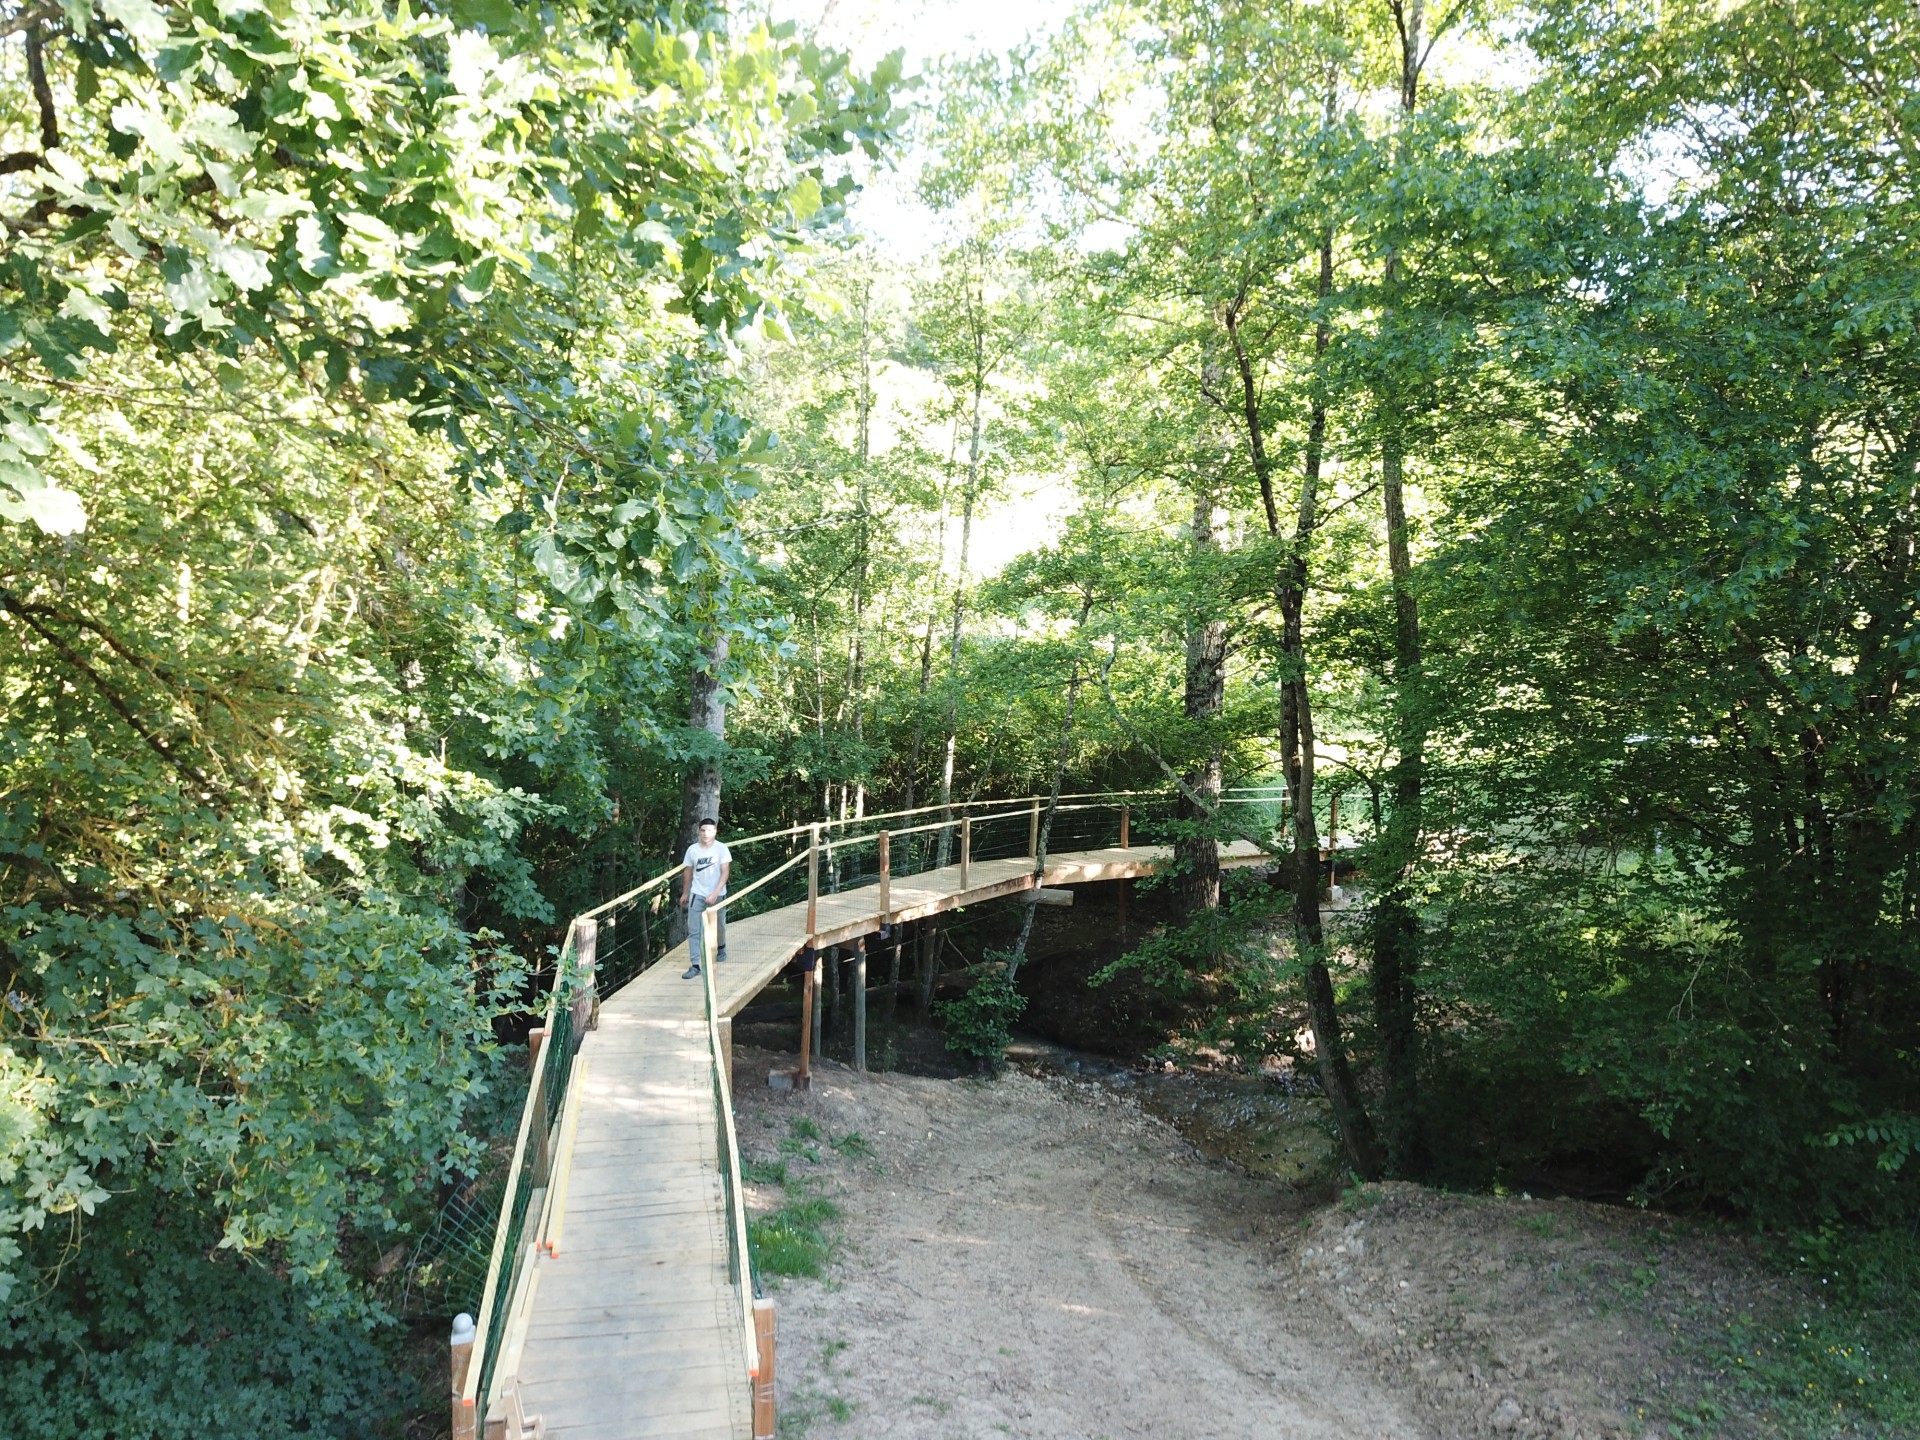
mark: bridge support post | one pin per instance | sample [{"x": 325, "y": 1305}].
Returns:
[
  {"x": 1126, "y": 839},
  {"x": 763, "y": 1376},
  {"x": 886, "y": 875},
  {"x": 816, "y": 1001},
  {"x": 860, "y": 1003},
  {"x": 966, "y": 847},
  {"x": 803, "y": 1078},
  {"x": 893, "y": 976},
  {"x": 1033, "y": 832}
]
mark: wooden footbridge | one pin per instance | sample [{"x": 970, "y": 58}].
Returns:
[{"x": 619, "y": 1299}]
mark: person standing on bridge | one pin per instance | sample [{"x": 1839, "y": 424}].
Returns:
[{"x": 702, "y": 889}]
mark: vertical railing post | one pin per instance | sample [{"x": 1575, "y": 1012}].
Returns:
[
  {"x": 886, "y": 876},
  {"x": 966, "y": 845},
  {"x": 460, "y": 1356},
  {"x": 1033, "y": 832},
  {"x": 763, "y": 1375},
  {"x": 813, "y": 881},
  {"x": 586, "y": 1000},
  {"x": 542, "y": 1157},
  {"x": 1126, "y": 816},
  {"x": 805, "y": 1076}
]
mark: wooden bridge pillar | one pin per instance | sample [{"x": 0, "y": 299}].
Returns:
[
  {"x": 1033, "y": 832},
  {"x": 886, "y": 876},
  {"x": 1126, "y": 839},
  {"x": 966, "y": 847},
  {"x": 803, "y": 1077},
  {"x": 860, "y": 1003},
  {"x": 815, "y": 999}
]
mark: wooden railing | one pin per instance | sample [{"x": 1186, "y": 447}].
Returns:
[
  {"x": 485, "y": 1354},
  {"x": 756, "y": 1339},
  {"x": 485, "y": 1357}
]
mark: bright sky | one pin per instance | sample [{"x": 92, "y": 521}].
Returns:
[
  {"x": 907, "y": 231},
  {"x": 870, "y": 29},
  {"x": 904, "y": 228}
]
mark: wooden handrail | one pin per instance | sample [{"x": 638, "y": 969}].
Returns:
[
  {"x": 1227, "y": 797},
  {"x": 733, "y": 896},
  {"x": 535, "y": 1102},
  {"x": 737, "y": 1211},
  {"x": 795, "y": 831},
  {"x": 632, "y": 894}
]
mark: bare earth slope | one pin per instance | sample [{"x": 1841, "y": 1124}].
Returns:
[{"x": 1038, "y": 1258}]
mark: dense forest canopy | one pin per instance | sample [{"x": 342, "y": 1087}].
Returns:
[{"x": 448, "y": 447}]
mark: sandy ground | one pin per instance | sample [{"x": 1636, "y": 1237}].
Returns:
[{"x": 1037, "y": 1257}]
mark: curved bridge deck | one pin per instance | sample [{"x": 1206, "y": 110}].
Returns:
[{"x": 633, "y": 1326}]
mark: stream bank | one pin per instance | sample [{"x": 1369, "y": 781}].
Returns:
[{"x": 1045, "y": 1256}]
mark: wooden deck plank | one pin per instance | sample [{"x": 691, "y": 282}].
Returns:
[{"x": 635, "y": 1331}]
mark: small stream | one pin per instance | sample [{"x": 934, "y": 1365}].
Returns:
[{"x": 1264, "y": 1124}]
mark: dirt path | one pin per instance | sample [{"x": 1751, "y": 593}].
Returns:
[{"x": 1038, "y": 1258}]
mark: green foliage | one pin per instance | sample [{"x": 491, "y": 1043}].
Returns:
[
  {"x": 1651, "y": 380},
  {"x": 979, "y": 1023},
  {"x": 854, "y": 1145},
  {"x": 764, "y": 1172},
  {"x": 180, "y": 1339},
  {"x": 793, "y": 1239},
  {"x": 371, "y": 467},
  {"x": 1847, "y": 1360}
]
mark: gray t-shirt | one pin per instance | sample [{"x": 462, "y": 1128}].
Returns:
[{"x": 705, "y": 862}]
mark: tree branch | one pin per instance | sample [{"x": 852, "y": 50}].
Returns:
[
  {"x": 42, "y": 91},
  {"x": 1193, "y": 796},
  {"x": 185, "y": 768},
  {"x": 27, "y": 20}
]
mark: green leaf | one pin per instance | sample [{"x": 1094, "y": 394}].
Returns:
[{"x": 54, "y": 510}]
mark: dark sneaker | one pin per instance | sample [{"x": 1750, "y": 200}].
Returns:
[{"x": 692, "y": 970}]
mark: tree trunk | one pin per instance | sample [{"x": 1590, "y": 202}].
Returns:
[
  {"x": 960, "y": 591},
  {"x": 1396, "y": 935},
  {"x": 1053, "y": 803},
  {"x": 1198, "y": 854},
  {"x": 856, "y": 663},
  {"x": 700, "y": 791},
  {"x": 1336, "y": 1076},
  {"x": 926, "y": 640}
]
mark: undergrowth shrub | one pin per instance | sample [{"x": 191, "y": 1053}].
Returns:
[
  {"x": 978, "y": 1025},
  {"x": 148, "y": 1329}
]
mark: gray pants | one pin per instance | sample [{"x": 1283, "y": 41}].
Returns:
[{"x": 696, "y": 937}]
